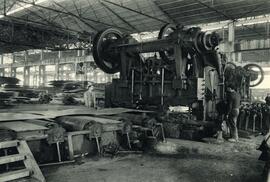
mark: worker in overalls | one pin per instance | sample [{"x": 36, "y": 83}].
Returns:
[
  {"x": 267, "y": 112},
  {"x": 88, "y": 98},
  {"x": 265, "y": 146},
  {"x": 222, "y": 112},
  {"x": 233, "y": 100}
]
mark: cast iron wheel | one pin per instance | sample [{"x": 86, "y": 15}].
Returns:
[
  {"x": 249, "y": 67},
  {"x": 165, "y": 31},
  {"x": 106, "y": 61}
]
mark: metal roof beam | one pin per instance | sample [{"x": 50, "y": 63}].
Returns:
[
  {"x": 201, "y": 10},
  {"x": 11, "y": 6},
  {"x": 66, "y": 13},
  {"x": 165, "y": 13},
  {"x": 33, "y": 37},
  {"x": 170, "y": 2},
  {"x": 41, "y": 24},
  {"x": 75, "y": 16},
  {"x": 138, "y": 12},
  {"x": 229, "y": 17},
  {"x": 53, "y": 25},
  {"x": 215, "y": 10},
  {"x": 118, "y": 16}
]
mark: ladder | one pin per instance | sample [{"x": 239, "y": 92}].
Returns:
[{"x": 31, "y": 168}]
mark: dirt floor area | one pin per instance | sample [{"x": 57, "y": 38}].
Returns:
[{"x": 171, "y": 162}]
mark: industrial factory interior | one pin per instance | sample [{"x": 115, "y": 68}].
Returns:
[{"x": 135, "y": 90}]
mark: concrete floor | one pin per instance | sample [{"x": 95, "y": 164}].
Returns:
[{"x": 206, "y": 164}]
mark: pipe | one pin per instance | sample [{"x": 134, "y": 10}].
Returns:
[
  {"x": 132, "y": 85},
  {"x": 162, "y": 86}
]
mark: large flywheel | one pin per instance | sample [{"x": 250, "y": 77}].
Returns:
[
  {"x": 256, "y": 74},
  {"x": 107, "y": 61},
  {"x": 165, "y": 31}
]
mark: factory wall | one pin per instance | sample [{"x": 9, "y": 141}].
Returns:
[{"x": 45, "y": 66}]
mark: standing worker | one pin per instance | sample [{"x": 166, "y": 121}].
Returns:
[
  {"x": 267, "y": 112},
  {"x": 222, "y": 111},
  {"x": 233, "y": 100},
  {"x": 88, "y": 98},
  {"x": 85, "y": 97}
]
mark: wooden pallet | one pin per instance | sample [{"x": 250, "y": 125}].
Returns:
[{"x": 25, "y": 155}]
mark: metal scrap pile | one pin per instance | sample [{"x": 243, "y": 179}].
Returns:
[
  {"x": 9, "y": 81},
  {"x": 14, "y": 93},
  {"x": 69, "y": 99},
  {"x": 141, "y": 130},
  {"x": 69, "y": 86},
  {"x": 45, "y": 98},
  {"x": 29, "y": 96},
  {"x": 181, "y": 125},
  {"x": 6, "y": 99},
  {"x": 69, "y": 92},
  {"x": 6, "y": 96}
]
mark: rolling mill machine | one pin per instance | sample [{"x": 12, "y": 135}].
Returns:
[{"x": 187, "y": 69}]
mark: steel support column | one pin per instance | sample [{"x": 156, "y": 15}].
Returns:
[
  {"x": 42, "y": 75},
  {"x": 79, "y": 53},
  {"x": 58, "y": 66},
  {"x": 84, "y": 69},
  {"x": 26, "y": 70},
  {"x": 2, "y": 72},
  {"x": 61, "y": 71},
  {"x": 41, "y": 55},
  {"x": 13, "y": 72},
  {"x": 2, "y": 59},
  {"x": 26, "y": 75},
  {"x": 95, "y": 76},
  {"x": 56, "y": 75},
  {"x": 231, "y": 42}
]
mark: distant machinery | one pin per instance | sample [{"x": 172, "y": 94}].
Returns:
[{"x": 242, "y": 78}]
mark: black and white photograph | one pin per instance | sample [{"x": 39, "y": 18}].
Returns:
[{"x": 134, "y": 90}]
